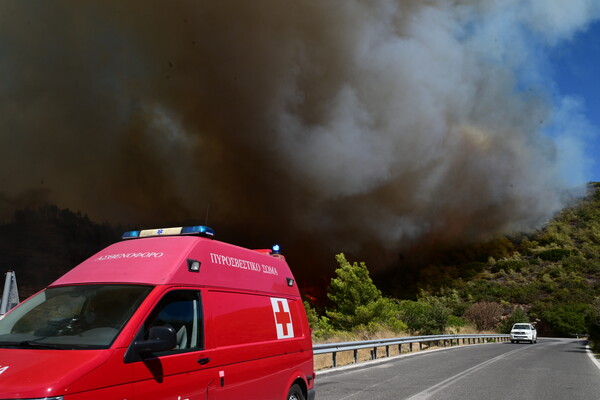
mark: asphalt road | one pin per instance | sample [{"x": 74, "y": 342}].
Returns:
[{"x": 551, "y": 369}]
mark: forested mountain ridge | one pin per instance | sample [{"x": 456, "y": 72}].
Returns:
[
  {"x": 553, "y": 274},
  {"x": 550, "y": 277},
  {"x": 41, "y": 244}
]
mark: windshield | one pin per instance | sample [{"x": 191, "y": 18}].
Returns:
[
  {"x": 72, "y": 317},
  {"x": 521, "y": 326}
]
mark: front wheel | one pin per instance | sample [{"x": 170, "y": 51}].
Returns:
[{"x": 295, "y": 393}]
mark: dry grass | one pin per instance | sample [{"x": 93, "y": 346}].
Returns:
[
  {"x": 469, "y": 329},
  {"x": 362, "y": 335}
]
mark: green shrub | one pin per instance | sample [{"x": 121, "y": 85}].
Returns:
[
  {"x": 468, "y": 271},
  {"x": 523, "y": 294},
  {"x": 554, "y": 254},
  {"x": 568, "y": 319},
  {"x": 425, "y": 316},
  {"x": 577, "y": 262},
  {"x": 508, "y": 265},
  {"x": 455, "y": 322}
]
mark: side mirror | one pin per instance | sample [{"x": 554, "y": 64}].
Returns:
[{"x": 160, "y": 338}]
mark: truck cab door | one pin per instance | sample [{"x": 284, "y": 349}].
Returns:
[{"x": 182, "y": 372}]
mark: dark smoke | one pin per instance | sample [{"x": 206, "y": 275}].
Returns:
[{"x": 329, "y": 125}]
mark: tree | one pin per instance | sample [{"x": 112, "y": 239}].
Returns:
[
  {"x": 518, "y": 315},
  {"x": 311, "y": 315},
  {"x": 356, "y": 300}
]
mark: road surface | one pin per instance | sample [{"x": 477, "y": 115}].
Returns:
[{"x": 552, "y": 369}]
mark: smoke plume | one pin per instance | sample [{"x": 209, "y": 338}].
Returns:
[{"x": 362, "y": 126}]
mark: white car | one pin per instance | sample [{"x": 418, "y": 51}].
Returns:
[{"x": 522, "y": 332}]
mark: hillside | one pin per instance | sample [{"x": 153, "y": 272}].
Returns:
[
  {"x": 552, "y": 274},
  {"x": 550, "y": 277},
  {"x": 43, "y": 243}
]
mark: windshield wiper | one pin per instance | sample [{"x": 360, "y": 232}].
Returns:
[{"x": 29, "y": 344}]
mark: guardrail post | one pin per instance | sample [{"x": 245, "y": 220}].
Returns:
[
  {"x": 410, "y": 346},
  {"x": 374, "y": 353},
  {"x": 355, "y": 356},
  {"x": 334, "y": 359},
  {"x": 387, "y": 351},
  {"x": 420, "y": 346},
  {"x": 400, "y": 348}
]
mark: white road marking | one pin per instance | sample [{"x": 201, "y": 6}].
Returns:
[
  {"x": 590, "y": 354},
  {"x": 427, "y": 393}
]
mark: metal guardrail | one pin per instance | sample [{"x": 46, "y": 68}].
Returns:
[{"x": 441, "y": 340}]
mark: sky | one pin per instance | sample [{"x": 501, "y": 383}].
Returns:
[
  {"x": 369, "y": 127},
  {"x": 575, "y": 72}
]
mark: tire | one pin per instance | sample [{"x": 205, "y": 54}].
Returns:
[
  {"x": 531, "y": 342},
  {"x": 295, "y": 393},
  {"x": 512, "y": 341}
]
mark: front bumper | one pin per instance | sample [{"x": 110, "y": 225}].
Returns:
[{"x": 521, "y": 337}]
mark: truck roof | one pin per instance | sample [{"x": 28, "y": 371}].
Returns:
[{"x": 169, "y": 260}]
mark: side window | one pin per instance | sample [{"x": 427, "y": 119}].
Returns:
[{"x": 181, "y": 310}]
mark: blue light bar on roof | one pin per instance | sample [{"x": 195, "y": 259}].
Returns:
[
  {"x": 198, "y": 229},
  {"x": 131, "y": 235},
  {"x": 181, "y": 230}
]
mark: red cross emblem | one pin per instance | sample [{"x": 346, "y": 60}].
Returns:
[{"x": 283, "y": 318}]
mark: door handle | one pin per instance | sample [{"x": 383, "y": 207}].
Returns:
[{"x": 203, "y": 361}]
